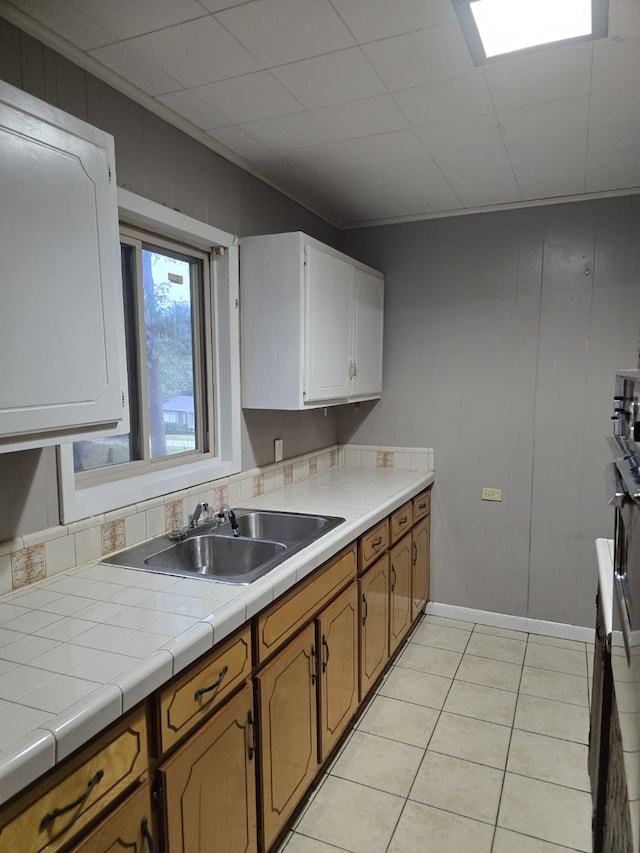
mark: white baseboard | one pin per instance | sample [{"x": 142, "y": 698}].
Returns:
[{"x": 515, "y": 623}]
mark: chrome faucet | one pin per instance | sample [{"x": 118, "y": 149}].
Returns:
[
  {"x": 177, "y": 532},
  {"x": 233, "y": 521},
  {"x": 201, "y": 506}
]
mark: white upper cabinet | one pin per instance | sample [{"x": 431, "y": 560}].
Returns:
[
  {"x": 61, "y": 321},
  {"x": 312, "y": 322}
]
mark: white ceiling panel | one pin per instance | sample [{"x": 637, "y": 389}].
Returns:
[
  {"x": 331, "y": 79},
  {"x": 370, "y": 20},
  {"x": 248, "y": 97},
  {"x": 127, "y": 19},
  {"x": 552, "y": 75},
  {"x": 194, "y": 109},
  {"x": 368, "y": 109},
  {"x": 424, "y": 56},
  {"x": 126, "y": 62},
  {"x": 197, "y": 52},
  {"x": 280, "y": 133},
  {"x": 445, "y": 100},
  {"x": 281, "y": 31},
  {"x": 365, "y": 117},
  {"x": 550, "y": 118}
]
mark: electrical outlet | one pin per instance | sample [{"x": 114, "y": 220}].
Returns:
[
  {"x": 277, "y": 450},
  {"x": 492, "y": 494}
]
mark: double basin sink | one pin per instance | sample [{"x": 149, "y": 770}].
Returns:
[{"x": 213, "y": 551}]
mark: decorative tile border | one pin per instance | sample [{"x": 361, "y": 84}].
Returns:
[{"x": 33, "y": 557}]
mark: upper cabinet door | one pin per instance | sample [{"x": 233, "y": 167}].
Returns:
[
  {"x": 61, "y": 325},
  {"x": 329, "y": 367},
  {"x": 368, "y": 331}
]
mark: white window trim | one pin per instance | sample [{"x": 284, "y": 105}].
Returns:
[{"x": 78, "y": 501}]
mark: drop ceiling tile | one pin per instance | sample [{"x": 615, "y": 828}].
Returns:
[
  {"x": 624, "y": 20},
  {"x": 196, "y": 52},
  {"x": 127, "y": 19},
  {"x": 425, "y": 56},
  {"x": 237, "y": 140},
  {"x": 547, "y": 119},
  {"x": 480, "y": 176},
  {"x": 280, "y": 133},
  {"x": 420, "y": 184},
  {"x": 67, "y": 21},
  {"x": 614, "y": 106},
  {"x": 249, "y": 97},
  {"x": 445, "y": 100},
  {"x": 550, "y": 75},
  {"x": 384, "y": 148},
  {"x": 282, "y": 31},
  {"x": 562, "y": 177},
  {"x": 612, "y": 139},
  {"x": 331, "y": 79},
  {"x": 364, "y": 117},
  {"x": 606, "y": 173},
  {"x": 473, "y": 161},
  {"x": 219, "y": 5},
  {"x": 460, "y": 135},
  {"x": 370, "y": 20},
  {"x": 615, "y": 64},
  {"x": 543, "y": 149},
  {"x": 194, "y": 109},
  {"x": 489, "y": 189},
  {"x": 122, "y": 59}
]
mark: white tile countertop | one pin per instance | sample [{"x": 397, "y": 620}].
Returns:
[{"x": 79, "y": 649}]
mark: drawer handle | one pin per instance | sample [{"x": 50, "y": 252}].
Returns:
[
  {"x": 403, "y": 521},
  {"x": 49, "y": 818},
  {"x": 365, "y": 608},
  {"x": 200, "y": 693},
  {"x": 325, "y": 659},
  {"x": 393, "y": 582},
  {"x": 377, "y": 543},
  {"x": 415, "y": 553},
  {"x": 144, "y": 828},
  {"x": 314, "y": 664},
  {"x": 422, "y": 506},
  {"x": 252, "y": 726}
]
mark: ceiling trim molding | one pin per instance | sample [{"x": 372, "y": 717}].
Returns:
[
  {"x": 56, "y": 42},
  {"x": 493, "y": 208}
]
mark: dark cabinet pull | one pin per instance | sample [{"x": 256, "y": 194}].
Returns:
[
  {"x": 393, "y": 582},
  {"x": 144, "y": 827},
  {"x": 415, "y": 553},
  {"x": 377, "y": 542},
  {"x": 314, "y": 671},
  {"x": 325, "y": 660},
  {"x": 200, "y": 693},
  {"x": 252, "y": 745},
  {"x": 49, "y": 818},
  {"x": 365, "y": 608},
  {"x": 403, "y": 521}
]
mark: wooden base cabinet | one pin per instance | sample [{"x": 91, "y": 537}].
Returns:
[
  {"x": 373, "y": 598},
  {"x": 338, "y": 683},
  {"x": 209, "y": 785},
  {"x": 401, "y": 561},
  {"x": 128, "y": 828},
  {"x": 421, "y": 567},
  {"x": 288, "y": 734}
]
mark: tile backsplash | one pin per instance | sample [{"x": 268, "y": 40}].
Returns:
[{"x": 27, "y": 559}]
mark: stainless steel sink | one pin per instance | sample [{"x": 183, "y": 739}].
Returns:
[{"x": 212, "y": 550}]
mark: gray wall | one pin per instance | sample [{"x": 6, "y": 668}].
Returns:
[
  {"x": 503, "y": 334},
  {"x": 157, "y": 161}
]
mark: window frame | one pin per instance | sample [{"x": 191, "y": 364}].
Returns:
[{"x": 92, "y": 494}]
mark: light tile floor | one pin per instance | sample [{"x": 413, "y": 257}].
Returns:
[{"x": 475, "y": 742}]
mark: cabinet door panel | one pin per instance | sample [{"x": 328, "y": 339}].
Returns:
[
  {"x": 400, "y": 558},
  {"x": 328, "y": 321},
  {"x": 127, "y": 829},
  {"x": 61, "y": 323},
  {"x": 338, "y": 650},
  {"x": 288, "y": 730},
  {"x": 373, "y": 595},
  {"x": 209, "y": 785},
  {"x": 368, "y": 331},
  {"x": 421, "y": 566}
]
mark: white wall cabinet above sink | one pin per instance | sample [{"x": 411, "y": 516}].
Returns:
[
  {"x": 61, "y": 322},
  {"x": 312, "y": 324}
]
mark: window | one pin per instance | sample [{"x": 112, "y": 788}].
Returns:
[
  {"x": 496, "y": 28},
  {"x": 180, "y": 295}
]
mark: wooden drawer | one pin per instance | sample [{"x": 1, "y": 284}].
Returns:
[
  {"x": 421, "y": 505},
  {"x": 374, "y": 543},
  {"x": 53, "y": 812},
  {"x": 401, "y": 521},
  {"x": 194, "y": 694},
  {"x": 128, "y": 827},
  {"x": 280, "y": 621}
]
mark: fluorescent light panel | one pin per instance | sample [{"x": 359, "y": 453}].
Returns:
[{"x": 508, "y": 25}]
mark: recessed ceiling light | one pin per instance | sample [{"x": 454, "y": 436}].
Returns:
[{"x": 495, "y": 28}]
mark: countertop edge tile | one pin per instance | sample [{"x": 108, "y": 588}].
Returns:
[
  {"x": 26, "y": 760},
  {"x": 84, "y": 719}
]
